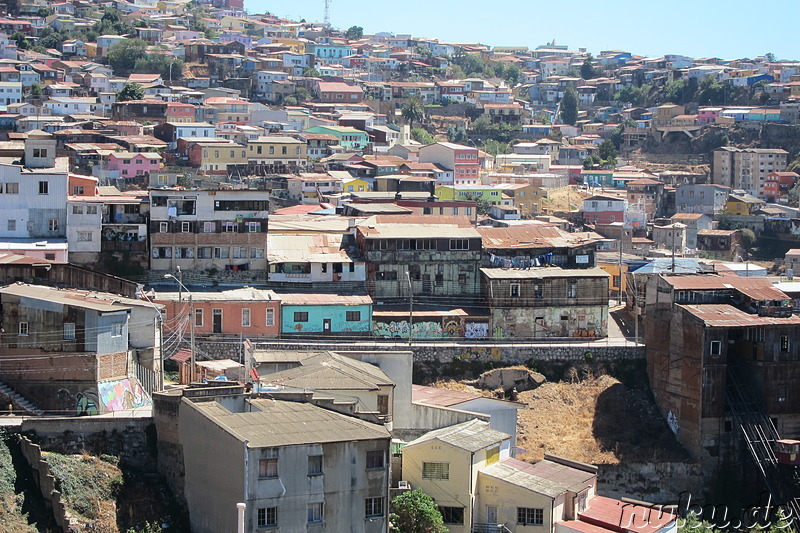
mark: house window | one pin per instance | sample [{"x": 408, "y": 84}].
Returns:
[
  {"x": 69, "y": 331},
  {"x": 529, "y": 516},
  {"x": 373, "y": 507},
  {"x": 716, "y": 347},
  {"x": 353, "y": 316},
  {"x": 185, "y": 227},
  {"x": 40, "y": 152},
  {"x": 515, "y": 290},
  {"x": 163, "y": 227},
  {"x": 459, "y": 244},
  {"x": 230, "y": 227},
  {"x": 253, "y": 227},
  {"x": 784, "y": 343},
  {"x": 12, "y": 224},
  {"x": 12, "y": 188},
  {"x": 375, "y": 459},
  {"x": 314, "y": 465},
  {"x": 452, "y": 515},
  {"x": 77, "y": 209},
  {"x": 403, "y": 244},
  {"x": 23, "y": 329},
  {"x": 116, "y": 330},
  {"x": 44, "y": 187},
  {"x": 208, "y": 227},
  {"x": 204, "y": 252},
  {"x": 435, "y": 470},
  {"x": 267, "y": 516},
  {"x": 572, "y": 289},
  {"x": 300, "y": 316},
  {"x": 537, "y": 291},
  {"x": 314, "y": 513},
  {"x": 221, "y": 253},
  {"x": 270, "y": 317},
  {"x": 84, "y": 236},
  {"x": 198, "y": 318},
  {"x": 268, "y": 468},
  {"x": 246, "y": 317},
  {"x": 53, "y": 224}
]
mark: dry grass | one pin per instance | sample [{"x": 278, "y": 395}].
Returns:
[
  {"x": 590, "y": 418},
  {"x": 564, "y": 199}
]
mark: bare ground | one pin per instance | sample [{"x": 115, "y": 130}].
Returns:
[{"x": 590, "y": 418}]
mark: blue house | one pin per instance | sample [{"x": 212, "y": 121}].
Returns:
[{"x": 326, "y": 313}]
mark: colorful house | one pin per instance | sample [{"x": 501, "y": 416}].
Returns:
[
  {"x": 130, "y": 164},
  {"x": 326, "y": 313},
  {"x": 741, "y": 203},
  {"x": 245, "y": 311},
  {"x": 349, "y": 138}
]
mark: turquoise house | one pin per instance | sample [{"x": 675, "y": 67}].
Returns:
[
  {"x": 326, "y": 314},
  {"x": 350, "y": 139}
]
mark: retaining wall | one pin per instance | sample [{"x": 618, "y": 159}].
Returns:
[{"x": 46, "y": 483}]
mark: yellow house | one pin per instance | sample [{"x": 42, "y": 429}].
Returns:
[
  {"x": 233, "y": 23},
  {"x": 444, "y": 464},
  {"x": 741, "y": 204},
  {"x": 277, "y": 150},
  {"x": 355, "y": 185},
  {"x": 214, "y": 158},
  {"x": 468, "y": 471},
  {"x": 295, "y": 45}
]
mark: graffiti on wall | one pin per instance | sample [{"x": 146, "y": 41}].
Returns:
[
  {"x": 122, "y": 394},
  {"x": 476, "y": 330},
  {"x": 431, "y": 330},
  {"x": 480, "y": 354},
  {"x": 84, "y": 403}
]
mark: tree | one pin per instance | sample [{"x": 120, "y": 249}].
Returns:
[
  {"x": 413, "y": 110},
  {"x": 354, "y": 33},
  {"x": 587, "y": 69},
  {"x": 770, "y": 57},
  {"x": 422, "y": 136},
  {"x": 692, "y": 524},
  {"x": 311, "y": 72},
  {"x": 130, "y": 91},
  {"x": 20, "y": 40},
  {"x": 36, "y": 90},
  {"x": 748, "y": 238},
  {"x": 416, "y": 512},
  {"x": 44, "y": 12},
  {"x": 607, "y": 150},
  {"x": 123, "y": 56},
  {"x": 569, "y": 107}
]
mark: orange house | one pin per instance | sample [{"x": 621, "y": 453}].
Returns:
[
  {"x": 247, "y": 312},
  {"x": 82, "y": 185}
]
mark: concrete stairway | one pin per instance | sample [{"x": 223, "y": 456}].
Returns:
[{"x": 20, "y": 400}]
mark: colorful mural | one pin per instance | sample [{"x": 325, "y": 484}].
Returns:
[{"x": 122, "y": 394}]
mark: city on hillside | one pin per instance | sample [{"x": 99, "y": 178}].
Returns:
[{"x": 260, "y": 274}]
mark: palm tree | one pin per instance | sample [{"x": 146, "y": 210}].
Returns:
[{"x": 413, "y": 110}]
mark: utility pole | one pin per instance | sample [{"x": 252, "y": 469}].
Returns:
[
  {"x": 191, "y": 339},
  {"x": 180, "y": 285},
  {"x": 410, "y": 308},
  {"x": 619, "y": 265}
]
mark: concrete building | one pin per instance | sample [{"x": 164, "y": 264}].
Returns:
[
  {"x": 462, "y": 160},
  {"x": 747, "y": 168},
  {"x": 325, "y": 258},
  {"x": 315, "y": 469},
  {"x": 671, "y": 236},
  {"x": 276, "y": 154},
  {"x": 33, "y": 200},
  {"x": 204, "y": 229},
  {"x": 694, "y": 223},
  {"x": 708, "y": 199}
]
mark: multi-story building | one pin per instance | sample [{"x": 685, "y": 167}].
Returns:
[
  {"x": 33, "y": 200},
  {"x": 707, "y": 198},
  {"x": 318, "y": 469},
  {"x": 546, "y": 302},
  {"x": 276, "y": 154},
  {"x": 603, "y": 209},
  {"x": 747, "y": 168},
  {"x": 217, "y": 157},
  {"x": 313, "y": 188},
  {"x": 208, "y": 229},
  {"x": 77, "y": 351},
  {"x": 313, "y": 258},
  {"x": 647, "y": 195},
  {"x": 427, "y": 255},
  {"x": 462, "y": 160}
]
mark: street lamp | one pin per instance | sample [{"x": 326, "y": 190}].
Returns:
[
  {"x": 410, "y": 308},
  {"x": 191, "y": 323}
]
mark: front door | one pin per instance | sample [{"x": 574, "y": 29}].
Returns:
[
  {"x": 326, "y": 325},
  {"x": 491, "y": 514},
  {"x": 217, "y": 323}
]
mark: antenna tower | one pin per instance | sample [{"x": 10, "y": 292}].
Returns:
[{"x": 327, "y": 16}]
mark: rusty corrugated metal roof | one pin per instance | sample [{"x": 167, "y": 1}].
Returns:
[{"x": 727, "y": 316}]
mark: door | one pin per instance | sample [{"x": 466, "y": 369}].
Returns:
[
  {"x": 491, "y": 514},
  {"x": 217, "y": 322},
  {"x": 326, "y": 325}
]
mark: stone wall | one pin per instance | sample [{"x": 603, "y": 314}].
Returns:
[
  {"x": 654, "y": 482},
  {"x": 131, "y": 439},
  {"x": 509, "y": 353},
  {"x": 46, "y": 483}
]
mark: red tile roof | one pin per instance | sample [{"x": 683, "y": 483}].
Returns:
[{"x": 621, "y": 516}]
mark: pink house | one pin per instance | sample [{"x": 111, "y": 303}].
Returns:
[
  {"x": 130, "y": 164},
  {"x": 462, "y": 160},
  {"x": 708, "y": 115},
  {"x": 603, "y": 209}
]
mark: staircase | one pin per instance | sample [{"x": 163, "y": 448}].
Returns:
[
  {"x": 760, "y": 435},
  {"x": 20, "y": 400}
]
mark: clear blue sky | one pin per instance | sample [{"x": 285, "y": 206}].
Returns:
[{"x": 697, "y": 28}]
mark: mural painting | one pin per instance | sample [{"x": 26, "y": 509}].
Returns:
[
  {"x": 83, "y": 403},
  {"x": 476, "y": 330},
  {"x": 122, "y": 394}
]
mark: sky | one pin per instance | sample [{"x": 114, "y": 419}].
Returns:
[{"x": 729, "y": 29}]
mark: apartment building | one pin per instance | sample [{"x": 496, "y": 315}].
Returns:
[
  {"x": 462, "y": 160},
  {"x": 747, "y": 168},
  {"x": 208, "y": 229},
  {"x": 276, "y": 153}
]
